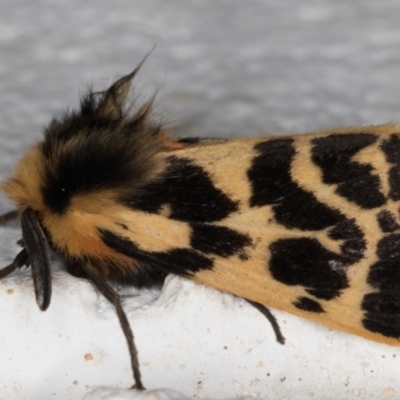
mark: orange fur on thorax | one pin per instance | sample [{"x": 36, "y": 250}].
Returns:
[{"x": 73, "y": 233}]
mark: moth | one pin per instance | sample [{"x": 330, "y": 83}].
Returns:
[{"x": 309, "y": 224}]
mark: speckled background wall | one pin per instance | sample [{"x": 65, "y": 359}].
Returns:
[{"x": 225, "y": 68}]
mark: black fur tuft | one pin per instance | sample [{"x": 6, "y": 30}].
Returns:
[{"x": 99, "y": 147}]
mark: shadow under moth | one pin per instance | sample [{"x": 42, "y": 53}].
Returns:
[{"x": 309, "y": 224}]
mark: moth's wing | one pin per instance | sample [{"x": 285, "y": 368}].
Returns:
[
  {"x": 308, "y": 224},
  {"x": 323, "y": 218}
]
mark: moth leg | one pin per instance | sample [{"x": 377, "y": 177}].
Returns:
[
  {"x": 21, "y": 259},
  {"x": 8, "y": 216},
  {"x": 272, "y": 320},
  {"x": 114, "y": 298}
]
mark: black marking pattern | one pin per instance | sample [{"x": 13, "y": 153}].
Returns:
[
  {"x": 387, "y": 221},
  {"x": 307, "y": 304},
  {"x": 389, "y": 247},
  {"x": 219, "y": 240},
  {"x": 183, "y": 262},
  {"x": 345, "y": 230},
  {"x": 391, "y": 149},
  {"x": 306, "y": 262},
  {"x": 353, "y": 245},
  {"x": 303, "y": 261},
  {"x": 382, "y": 313},
  {"x": 382, "y": 306},
  {"x": 272, "y": 184},
  {"x": 354, "y": 180},
  {"x": 189, "y": 191}
]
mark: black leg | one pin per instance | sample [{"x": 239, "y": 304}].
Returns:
[
  {"x": 20, "y": 260},
  {"x": 272, "y": 320},
  {"x": 114, "y": 298},
  {"x": 8, "y": 216}
]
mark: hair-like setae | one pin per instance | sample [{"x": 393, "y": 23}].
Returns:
[{"x": 77, "y": 179}]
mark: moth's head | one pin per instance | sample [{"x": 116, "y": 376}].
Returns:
[{"x": 88, "y": 162}]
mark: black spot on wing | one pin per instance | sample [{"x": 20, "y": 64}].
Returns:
[
  {"x": 382, "y": 306},
  {"x": 334, "y": 155},
  {"x": 394, "y": 182},
  {"x": 364, "y": 191},
  {"x": 270, "y": 172},
  {"x": 387, "y": 221},
  {"x": 355, "y": 182},
  {"x": 354, "y": 249},
  {"x": 382, "y": 313},
  {"x": 347, "y": 229},
  {"x": 305, "y": 262},
  {"x": 354, "y": 244},
  {"x": 218, "y": 240},
  {"x": 307, "y": 304},
  {"x": 189, "y": 191},
  {"x": 385, "y": 275},
  {"x": 391, "y": 149},
  {"x": 303, "y": 211},
  {"x": 184, "y": 262},
  {"x": 389, "y": 247},
  {"x": 272, "y": 184}
]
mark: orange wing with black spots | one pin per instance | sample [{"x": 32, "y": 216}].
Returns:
[{"x": 308, "y": 224}]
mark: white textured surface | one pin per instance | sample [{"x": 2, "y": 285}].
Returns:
[
  {"x": 194, "y": 339},
  {"x": 227, "y": 68},
  {"x": 160, "y": 394}
]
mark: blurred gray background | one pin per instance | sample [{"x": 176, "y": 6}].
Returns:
[{"x": 224, "y": 68}]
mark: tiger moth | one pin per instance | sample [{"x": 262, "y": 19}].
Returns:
[{"x": 308, "y": 224}]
